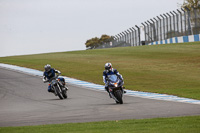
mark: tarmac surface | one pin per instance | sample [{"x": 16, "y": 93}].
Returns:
[{"x": 24, "y": 101}]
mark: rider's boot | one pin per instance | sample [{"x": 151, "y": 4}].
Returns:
[
  {"x": 106, "y": 88},
  {"x": 109, "y": 94},
  {"x": 64, "y": 85},
  {"x": 55, "y": 94},
  {"x": 52, "y": 91},
  {"x": 123, "y": 89}
]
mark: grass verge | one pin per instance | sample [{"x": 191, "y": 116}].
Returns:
[
  {"x": 169, "y": 69},
  {"x": 189, "y": 124}
]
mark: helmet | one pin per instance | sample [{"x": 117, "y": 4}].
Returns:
[
  {"x": 108, "y": 66},
  {"x": 47, "y": 67}
]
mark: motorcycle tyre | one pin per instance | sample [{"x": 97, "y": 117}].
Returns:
[
  {"x": 64, "y": 93},
  {"x": 58, "y": 92},
  {"x": 118, "y": 95},
  {"x": 117, "y": 102}
]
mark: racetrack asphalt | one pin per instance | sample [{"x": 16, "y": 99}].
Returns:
[{"x": 24, "y": 101}]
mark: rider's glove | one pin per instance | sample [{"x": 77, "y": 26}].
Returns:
[
  {"x": 106, "y": 83},
  {"x": 45, "y": 81}
]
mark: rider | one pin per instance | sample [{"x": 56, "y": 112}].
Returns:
[
  {"x": 110, "y": 71},
  {"x": 50, "y": 73}
]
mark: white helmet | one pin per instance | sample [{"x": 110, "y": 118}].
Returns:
[
  {"x": 47, "y": 67},
  {"x": 108, "y": 66}
]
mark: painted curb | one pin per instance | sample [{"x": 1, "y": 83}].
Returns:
[
  {"x": 93, "y": 86},
  {"x": 182, "y": 39}
]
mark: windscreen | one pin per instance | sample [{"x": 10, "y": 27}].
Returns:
[{"x": 113, "y": 78}]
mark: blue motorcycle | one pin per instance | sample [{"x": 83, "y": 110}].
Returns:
[
  {"x": 57, "y": 87},
  {"x": 115, "y": 87}
]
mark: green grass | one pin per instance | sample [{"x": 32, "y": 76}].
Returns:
[
  {"x": 169, "y": 69},
  {"x": 190, "y": 124}
]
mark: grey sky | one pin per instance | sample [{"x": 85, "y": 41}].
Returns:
[{"x": 41, "y": 26}]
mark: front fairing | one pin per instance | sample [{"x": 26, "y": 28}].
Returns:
[
  {"x": 54, "y": 82},
  {"x": 114, "y": 82}
]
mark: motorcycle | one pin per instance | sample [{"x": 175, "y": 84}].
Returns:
[
  {"x": 58, "y": 88},
  {"x": 115, "y": 87}
]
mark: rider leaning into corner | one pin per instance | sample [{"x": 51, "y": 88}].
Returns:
[
  {"x": 50, "y": 73},
  {"x": 110, "y": 71}
]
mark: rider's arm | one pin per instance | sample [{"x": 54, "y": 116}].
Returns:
[
  {"x": 118, "y": 74},
  {"x": 44, "y": 78},
  {"x": 104, "y": 78},
  {"x": 58, "y": 72}
]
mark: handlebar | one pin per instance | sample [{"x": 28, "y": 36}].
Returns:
[{"x": 52, "y": 78}]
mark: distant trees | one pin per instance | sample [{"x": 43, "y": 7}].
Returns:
[
  {"x": 91, "y": 43},
  {"x": 95, "y": 42},
  {"x": 104, "y": 38},
  {"x": 191, "y": 4}
]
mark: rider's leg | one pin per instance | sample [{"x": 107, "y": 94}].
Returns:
[
  {"x": 123, "y": 89},
  {"x": 49, "y": 88},
  {"x": 64, "y": 84},
  {"x": 106, "y": 88}
]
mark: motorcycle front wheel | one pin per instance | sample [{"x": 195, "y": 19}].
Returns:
[
  {"x": 64, "y": 93},
  {"x": 118, "y": 95},
  {"x": 58, "y": 91}
]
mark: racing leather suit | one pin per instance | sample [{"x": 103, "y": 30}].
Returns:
[
  {"x": 47, "y": 76},
  {"x": 106, "y": 73}
]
